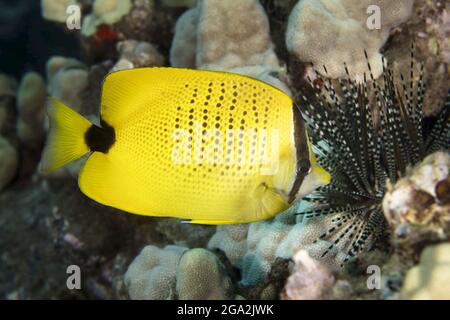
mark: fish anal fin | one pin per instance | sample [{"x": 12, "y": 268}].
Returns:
[{"x": 108, "y": 182}]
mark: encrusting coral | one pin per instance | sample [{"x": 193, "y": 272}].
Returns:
[
  {"x": 152, "y": 274},
  {"x": 176, "y": 272},
  {"x": 430, "y": 280},
  {"x": 330, "y": 33},
  {"x": 207, "y": 37}
]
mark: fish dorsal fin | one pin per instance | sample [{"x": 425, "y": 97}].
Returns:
[
  {"x": 129, "y": 91},
  {"x": 126, "y": 92},
  {"x": 108, "y": 181}
]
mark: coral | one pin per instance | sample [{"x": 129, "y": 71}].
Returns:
[
  {"x": 330, "y": 33},
  {"x": 232, "y": 240},
  {"x": 268, "y": 241},
  {"x": 417, "y": 207},
  {"x": 106, "y": 12},
  {"x": 137, "y": 54},
  {"x": 9, "y": 160},
  {"x": 176, "y": 272},
  {"x": 67, "y": 80},
  {"x": 208, "y": 37},
  {"x": 255, "y": 247},
  {"x": 184, "y": 43},
  {"x": 311, "y": 280},
  {"x": 152, "y": 274},
  {"x": 201, "y": 276},
  {"x": 31, "y": 98},
  {"x": 55, "y": 10},
  {"x": 417, "y": 198},
  {"x": 430, "y": 280}
]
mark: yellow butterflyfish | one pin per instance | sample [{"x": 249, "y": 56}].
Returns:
[{"x": 208, "y": 147}]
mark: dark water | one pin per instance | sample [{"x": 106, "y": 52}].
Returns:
[{"x": 27, "y": 40}]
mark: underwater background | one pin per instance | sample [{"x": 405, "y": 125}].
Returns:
[{"x": 373, "y": 79}]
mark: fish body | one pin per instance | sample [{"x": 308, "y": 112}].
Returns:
[{"x": 209, "y": 147}]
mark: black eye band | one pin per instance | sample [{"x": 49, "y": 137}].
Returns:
[{"x": 302, "y": 152}]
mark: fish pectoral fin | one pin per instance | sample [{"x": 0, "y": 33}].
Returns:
[
  {"x": 109, "y": 182},
  {"x": 268, "y": 201}
]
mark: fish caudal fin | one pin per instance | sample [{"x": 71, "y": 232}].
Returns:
[{"x": 66, "y": 138}]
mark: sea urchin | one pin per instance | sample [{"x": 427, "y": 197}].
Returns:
[{"x": 365, "y": 134}]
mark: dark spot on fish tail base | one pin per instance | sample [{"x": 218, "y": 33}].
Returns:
[{"x": 100, "y": 139}]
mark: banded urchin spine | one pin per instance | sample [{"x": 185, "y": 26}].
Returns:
[{"x": 365, "y": 134}]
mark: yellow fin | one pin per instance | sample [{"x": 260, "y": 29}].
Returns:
[
  {"x": 264, "y": 202},
  {"x": 206, "y": 221},
  {"x": 273, "y": 202},
  {"x": 65, "y": 141},
  {"x": 128, "y": 92}
]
